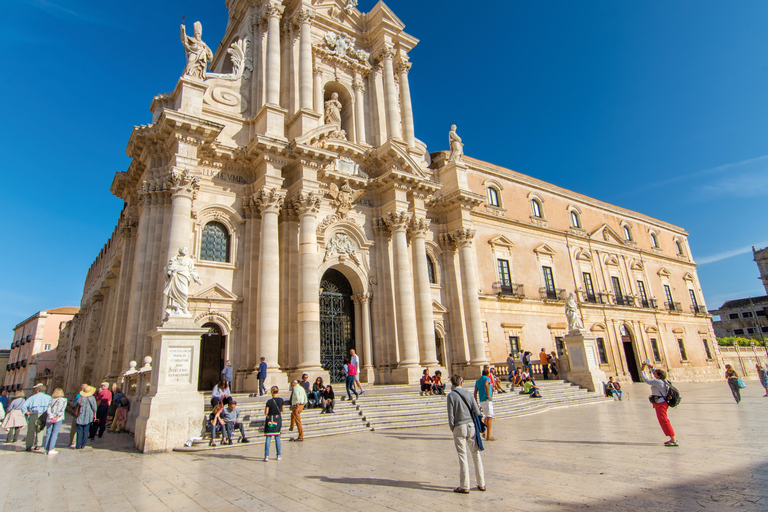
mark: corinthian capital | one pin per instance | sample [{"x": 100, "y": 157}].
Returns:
[
  {"x": 463, "y": 237},
  {"x": 306, "y": 204},
  {"x": 386, "y": 53},
  {"x": 182, "y": 183},
  {"x": 269, "y": 201},
  {"x": 358, "y": 86},
  {"x": 273, "y": 8},
  {"x": 305, "y": 15},
  {"x": 398, "y": 221},
  {"x": 362, "y": 298},
  {"x": 419, "y": 227},
  {"x": 402, "y": 66}
]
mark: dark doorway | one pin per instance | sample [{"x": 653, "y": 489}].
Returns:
[
  {"x": 337, "y": 323},
  {"x": 629, "y": 353},
  {"x": 211, "y": 357},
  {"x": 439, "y": 350}
]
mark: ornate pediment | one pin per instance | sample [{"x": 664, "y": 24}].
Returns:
[
  {"x": 215, "y": 293},
  {"x": 608, "y": 234},
  {"x": 544, "y": 250},
  {"x": 663, "y": 272},
  {"x": 688, "y": 277},
  {"x": 501, "y": 241},
  {"x": 438, "y": 308},
  {"x": 583, "y": 255},
  {"x": 611, "y": 260}
]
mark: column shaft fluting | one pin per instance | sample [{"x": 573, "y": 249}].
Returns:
[
  {"x": 309, "y": 304},
  {"x": 365, "y": 306},
  {"x": 471, "y": 301},
  {"x": 268, "y": 314},
  {"x": 390, "y": 96},
  {"x": 405, "y": 104},
  {"x": 426, "y": 324},
  {"x": 274, "y": 12},
  {"x": 305, "y": 60},
  {"x": 406, "y": 307},
  {"x": 319, "y": 104},
  {"x": 359, "y": 111}
]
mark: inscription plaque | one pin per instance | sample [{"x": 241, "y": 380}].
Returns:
[{"x": 179, "y": 365}]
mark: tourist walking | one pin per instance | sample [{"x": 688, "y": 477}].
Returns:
[
  {"x": 262, "y": 375},
  {"x": 55, "y": 418},
  {"x": 355, "y": 360},
  {"x": 32, "y": 409},
  {"x": 103, "y": 400},
  {"x": 659, "y": 388},
  {"x": 4, "y": 400},
  {"x": 273, "y": 422},
  {"x": 226, "y": 373},
  {"x": 763, "y": 376},
  {"x": 350, "y": 371},
  {"x": 461, "y": 405},
  {"x": 117, "y": 401},
  {"x": 484, "y": 396},
  {"x": 85, "y": 413},
  {"x": 553, "y": 362},
  {"x": 14, "y": 418},
  {"x": 734, "y": 382},
  {"x": 298, "y": 400},
  {"x": 329, "y": 400}
]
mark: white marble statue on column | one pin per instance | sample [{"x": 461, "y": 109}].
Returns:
[
  {"x": 198, "y": 53},
  {"x": 333, "y": 109},
  {"x": 180, "y": 270},
  {"x": 572, "y": 314},
  {"x": 457, "y": 148}
]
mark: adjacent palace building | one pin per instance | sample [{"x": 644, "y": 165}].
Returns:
[{"x": 318, "y": 222}]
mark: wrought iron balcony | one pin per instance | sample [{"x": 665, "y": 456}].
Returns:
[
  {"x": 698, "y": 310},
  {"x": 673, "y": 307},
  {"x": 549, "y": 294},
  {"x": 512, "y": 290},
  {"x": 17, "y": 364},
  {"x": 625, "y": 300},
  {"x": 8, "y": 367},
  {"x": 649, "y": 303}
]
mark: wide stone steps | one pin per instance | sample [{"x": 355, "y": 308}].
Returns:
[{"x": 396, "y": 407}]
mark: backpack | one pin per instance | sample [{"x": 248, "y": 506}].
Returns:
[
  {"x": 352, "y": 370},
  {"x": 673, "y": 395}
]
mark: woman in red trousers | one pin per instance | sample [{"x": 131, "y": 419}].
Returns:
[{"x": 659, "y": 388}]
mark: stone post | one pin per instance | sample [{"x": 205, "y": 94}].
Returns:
[
  {"x": 359, "y": 88},
  {"x": 405, "y": 103},
  {"x": 269, "y": 202},
  {"x": 422, "y": 289},
  {"x": 390, "y": 93},
  {"x": 305, "y": 17},
  {"x": 306, "y": 207},
  {"x": 463, "y": 240},
  {"x": 319, "y": 98},
  {"x": 273, "y": 10}
]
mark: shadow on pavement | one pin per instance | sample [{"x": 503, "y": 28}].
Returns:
[
  {"x": 383, "y": 482},
  {"x": 618, "y": 443}
]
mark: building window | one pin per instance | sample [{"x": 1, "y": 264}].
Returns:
[
  {"x": 536, "y": 206},
  {"x": 431, "y": 270},
  {"x": 601, "y": 351},
  {"x": 746, "y": 314},
  {"x": 679, "y": 246},
  {"x": 654, "y": 241},
  {"x": 643, "y": 296},
  {"x": 215, "y": 244},
  {"x": 493, "y": 197},
  {"x": 655, "y": 347},
  {"x": 549, "y": 282},
  {"x": 627, "y": 234},
  {"x": 706, "y": 349},
  {"x": 694, "y": 302},
  {"x": 760, "y": 312},
  {"x": 733, "y": 316},
  {"x": 505, "y": 278},
  {"x": 764, "y": 329},
  {"x": 751, "y": 330},
  {"x": 514, "y": 346},
  {"x": 738, "y": 331},
  {"x": 617, "y": 291},
  {"x": 47, "y": 347},
  {"x": 670, "y": 301},
  {"x": 575, "y": 221},
  {"x": 682, "y": 349},
  {"x": 588, "y": 287}
]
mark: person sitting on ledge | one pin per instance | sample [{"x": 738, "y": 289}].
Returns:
[
  {"x": 518, "y": 379},
  {"x": 426, "y": 383},
  {"x": 328, "y": 400},
  {"x": 613, "y": 388},
  {"x": 231, "y": 417},
  {"x": 437, "y": 383},
  {"x": 317, "y": 393},
  {"x": 496, "y": 382},
  {"x": 530, "y": 388},
  {"x": 216, "y": 423}
]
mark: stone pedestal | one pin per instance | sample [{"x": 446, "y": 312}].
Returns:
[
  {"x": 270, "y": 120},
  {"x": 302, "y": 122},
  {"x": 172, "y": 412},
  {"x": 584, "y": 367},
  {"x": 368, "y": 375},
  {"x": 188, "y": 95}
]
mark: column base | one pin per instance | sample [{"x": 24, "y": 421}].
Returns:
[
  {"x": 302, "y": 122},
  {"x": 406, "y": 375},
  {"x": 270, "y": 121},
  {"x": 584, "y": 368},
  {"x": 368, "y": 375},
  {"x": 168, "y": 420}
]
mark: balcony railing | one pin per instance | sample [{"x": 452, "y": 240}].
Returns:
[
  {"x": 8, "y": 367},
  {"x": 24, "y": 363},
  {"x": 698, "y": 310},
  {"x": 511, "y": 290},
  {"x": 648, "y": 303},
  {"x": 593, "y": 298},
  {"x": 625, "y": 300},
  {"x": 549, "y": 294},
  {"x": 673, "y": 307},
  {"x": 17, "y": 364}
]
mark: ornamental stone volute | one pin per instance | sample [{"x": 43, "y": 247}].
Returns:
[
  {"x": 269, "y": 201},
  {"x": 306, "y": 204},
  {"x": 419, "y": 227},
  {"x": 182, "y": 183}
]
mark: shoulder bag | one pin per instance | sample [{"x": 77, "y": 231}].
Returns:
[
  {"x": 478, "y": 423},
  {"x": 740, "y": 383}
]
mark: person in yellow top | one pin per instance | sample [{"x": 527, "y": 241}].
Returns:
[{"x": 544, "y": 357}]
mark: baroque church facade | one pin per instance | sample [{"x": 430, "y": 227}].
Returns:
[{"x": 287, "y": 163}]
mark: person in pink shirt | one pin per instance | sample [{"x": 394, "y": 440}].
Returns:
[{"x": 103, "y": 399}]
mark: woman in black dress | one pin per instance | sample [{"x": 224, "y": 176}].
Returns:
[{"x": 273, "y": 422}]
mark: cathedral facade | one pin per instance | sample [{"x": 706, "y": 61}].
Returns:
[{"x": 287, "y": 163}]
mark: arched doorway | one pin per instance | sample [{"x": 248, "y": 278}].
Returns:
[
  {"x": 337, "y": 323},
  {"x": 629, "y": 353},
  {"x": 211, "y": 357}
]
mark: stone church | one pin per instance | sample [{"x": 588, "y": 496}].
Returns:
[{"x": 287, "y": 163}]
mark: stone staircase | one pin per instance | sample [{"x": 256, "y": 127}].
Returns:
[{"x": 387, "y": 407}]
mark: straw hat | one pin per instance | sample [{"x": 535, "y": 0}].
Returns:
[{"x": 89, "y": 391}]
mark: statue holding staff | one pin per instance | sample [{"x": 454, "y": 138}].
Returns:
[{"x": 198, "y": 53}]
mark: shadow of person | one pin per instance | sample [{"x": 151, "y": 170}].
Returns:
[{"x": 385, "y": 482}]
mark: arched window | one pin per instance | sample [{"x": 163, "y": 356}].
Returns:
[
  {"x": 431, "y": 269},
  {"x": 536, "y": 206},
  {"x": 627, "y": 234},
  {"x": 215, "y": 244},
  {"x": 654, "y": 241},
  {"x": 575, "y": 221},
  {"x": 493, "y": 197}
]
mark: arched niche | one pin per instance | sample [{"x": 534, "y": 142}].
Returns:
[{"x": 347, "y": 106}]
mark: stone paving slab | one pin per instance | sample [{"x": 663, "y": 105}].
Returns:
[{"x": 606, "y": 457}]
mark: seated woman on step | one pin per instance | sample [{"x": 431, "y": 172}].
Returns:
[
  {"x": 328, "y": 400},
  {"x": 426, "y": 383},
  {"x": 221, "y": 394},
  {"x": 216, "y": 423},
  {"x": 496, "y": 382},
  {"x": 316, "y": 395},
  {"x": 437, "y": 383}
]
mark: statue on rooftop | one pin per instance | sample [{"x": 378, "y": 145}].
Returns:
[
  {"x": 180, "y": 270},
  {"x": 457, "y": 148},
  {"x": 198, "y": 53}
]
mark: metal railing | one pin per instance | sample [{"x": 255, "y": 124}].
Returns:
[
  {"x": 648, "y": 303},
  {"x": 549, "y": 294},
  {"x": 514, "y": 289},
  {"x": 698, "y": 310},
  {"x": 673, "y": 307}
]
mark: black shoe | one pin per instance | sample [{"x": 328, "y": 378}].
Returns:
[{"x": 244, "y": 440}]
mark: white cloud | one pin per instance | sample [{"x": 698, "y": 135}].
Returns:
[{"x": 729, "y": 254}]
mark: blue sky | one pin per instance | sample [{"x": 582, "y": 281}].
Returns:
[{"x": 659, "y": 107}]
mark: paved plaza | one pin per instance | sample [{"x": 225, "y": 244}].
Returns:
[{"x": 606, "y": 456}]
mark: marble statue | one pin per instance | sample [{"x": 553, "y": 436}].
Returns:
[
  {"x": 572, "y": 314},
  {"x": 198, "y": 53},
  {"x": 333, "y": 109},
  {"x": 180, "y": 269},
  {"x": 457, "y": 148}
]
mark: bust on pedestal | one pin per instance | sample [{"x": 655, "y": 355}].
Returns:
[{"x": 584, "y": 368}]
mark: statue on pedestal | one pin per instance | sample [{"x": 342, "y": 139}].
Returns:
[
  {"x": 572, "y": 314},
  {"x": 198, "y": 53},
  {"x": 180, "y": 270},
  {"x": 457, "y": 148},
  {"x": 333, "y": 109}
]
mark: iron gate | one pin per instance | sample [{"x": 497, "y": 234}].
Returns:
[{"x": 336, "y": 324}]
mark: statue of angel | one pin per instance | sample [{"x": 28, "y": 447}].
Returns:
[{"x": 198, "y": 53}]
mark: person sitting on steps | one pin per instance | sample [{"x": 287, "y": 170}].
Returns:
[
  {"x": 437, "y": 383},
  {"x": 530, "y": 388},
  {"x": 426, "y": 383}
]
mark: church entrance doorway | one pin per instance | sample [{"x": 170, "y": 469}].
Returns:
[
  {"x": 211, "y": 357},
  {"x": 337, "y": 323},
  {"x": 629, "y": 354}
]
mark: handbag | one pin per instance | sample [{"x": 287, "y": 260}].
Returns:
[
  {"x": 42, "y": 420},
  {"x": 740, "y": 383},
  {"x": 271, "y": 426}
]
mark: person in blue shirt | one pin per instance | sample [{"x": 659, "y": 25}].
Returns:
[
  {"x": 484, "y": 396},
  {"x": 262, "y": 375},
  {"x": 227, "y": 373},
  {"x": 35, "y": 405},
  {"x": 4, "y": 400}
]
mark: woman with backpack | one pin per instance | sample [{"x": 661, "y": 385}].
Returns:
[
  {"x": 350, "y": 371},
  {"x": 658, "y": 398}
]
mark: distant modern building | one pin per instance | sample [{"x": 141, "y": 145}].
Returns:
[{"x": 33, "y": 350}]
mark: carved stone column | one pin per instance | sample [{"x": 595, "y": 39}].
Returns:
[
  {"x": 406, "y": 308},
  {"x": 390, "y": 93},
  {"x": 182, "y": 186},
  {"x": 364, "y": 301},
  {"x": 405, "y": 103},
  {"x": 269, "y": 202},
  {"x": 319, "y": 103},
  {"x": 305, "y": 17},
  {"x": 426, "y": 324},
  {"x": 306, "y": 207},
  {"x": 463, "y": 240},
  {"x": 273, "y": 11},
  {"x": 359, "y": 88}
]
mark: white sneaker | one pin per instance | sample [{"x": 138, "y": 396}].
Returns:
[
  {"x": 266, "y": 459},
  {"x": 279, "y": 458},
  {"x": 53, "y": 452},
  {"x": 72, "y": 446}
]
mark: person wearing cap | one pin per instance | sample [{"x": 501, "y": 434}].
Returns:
[
  {"x": 103, "y": 399},
  {"x": 262, "y": 376},
  {"x": 35, "y": 405},
  {"x": 85, "y": 413}
]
